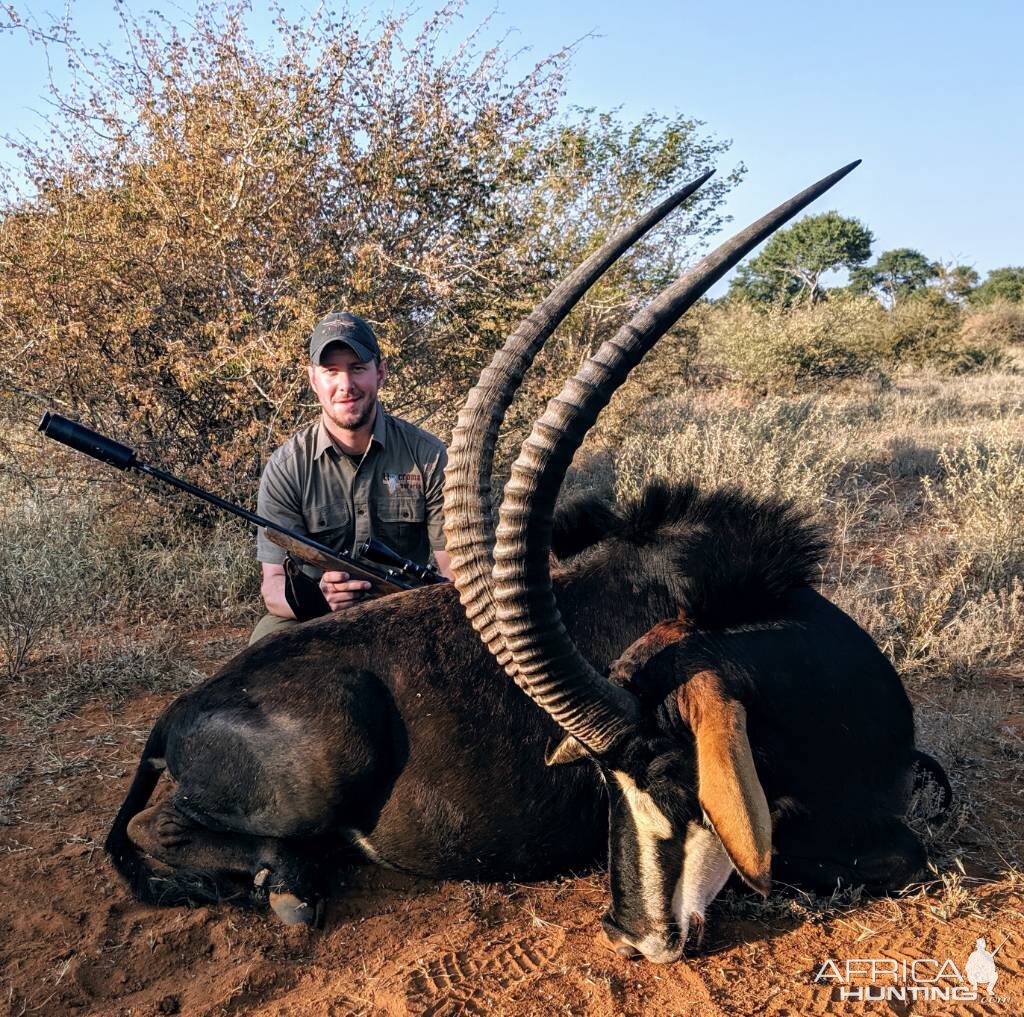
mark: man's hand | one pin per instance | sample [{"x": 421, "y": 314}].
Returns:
[{"x": 340, "y": 591}]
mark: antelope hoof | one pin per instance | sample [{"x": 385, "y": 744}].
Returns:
[{"x": 293, "y": 911}]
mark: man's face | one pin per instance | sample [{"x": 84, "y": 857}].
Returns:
[{"x": 346, "y": 387}]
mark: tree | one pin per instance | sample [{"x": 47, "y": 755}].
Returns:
[
  {"x": 203, "y": 201},
  {"x": 1001, "y": 284},
  {"x": 895, "y": 274},
  {"x": 956, "y": 282},
  {"x": 792, "y": 263}
]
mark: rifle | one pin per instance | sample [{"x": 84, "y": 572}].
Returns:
[{"x": 390, "y": 573}]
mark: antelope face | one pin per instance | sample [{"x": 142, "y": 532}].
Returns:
[
  {"x": 651, "y": 805},
  {"x": 665, "y": 864},
  {"x": 685, "y": 809}
]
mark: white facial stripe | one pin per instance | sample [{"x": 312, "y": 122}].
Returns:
[
  {"x": 706, "y": 867},
  {"x": 652, "y": 825},
  {"x": 646, "y": 814}
]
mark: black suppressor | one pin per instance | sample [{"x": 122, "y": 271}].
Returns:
[{"x": 81, "y": 439}]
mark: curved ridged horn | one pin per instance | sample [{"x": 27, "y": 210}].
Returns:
[
  {"x": 469, "y": 524},
  {"x": 546, "y": 662}
]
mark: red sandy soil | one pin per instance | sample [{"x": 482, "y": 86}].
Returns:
[{"x": 72, "y": 940}]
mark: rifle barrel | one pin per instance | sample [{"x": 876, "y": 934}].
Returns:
[{"x": 106, "y": 450}]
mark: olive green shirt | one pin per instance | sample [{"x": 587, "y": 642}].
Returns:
[{"x": 394, "y": 493}]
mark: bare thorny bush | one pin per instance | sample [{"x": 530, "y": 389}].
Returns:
[{"x": 202, "y": 201}]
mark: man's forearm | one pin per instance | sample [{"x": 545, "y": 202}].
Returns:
[{"x": 274, "y": 596}]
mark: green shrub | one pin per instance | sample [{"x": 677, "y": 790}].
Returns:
[
  {"x": 774, "y": 348},
  {"x": 924, "y": 329}
]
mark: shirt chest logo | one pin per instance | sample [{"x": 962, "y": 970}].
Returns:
[{"x": 402, "y": 483}]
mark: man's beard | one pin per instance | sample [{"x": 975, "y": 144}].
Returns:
[{"x": 359, "y": 422}]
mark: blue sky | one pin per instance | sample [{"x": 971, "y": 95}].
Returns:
[{"x": 929, "y": 94}]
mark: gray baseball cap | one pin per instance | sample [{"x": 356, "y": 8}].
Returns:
[{"x": 342, "y": 327}]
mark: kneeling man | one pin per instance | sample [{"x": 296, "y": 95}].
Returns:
[{"x": 355, "y": 473}]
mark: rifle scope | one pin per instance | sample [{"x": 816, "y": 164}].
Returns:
[{"x": 375, "y": 550}]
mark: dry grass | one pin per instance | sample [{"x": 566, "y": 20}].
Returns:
[
  {"x": 978, "y": 505},
  {"x": 100, "y": 586},
  {"x": 774, "y": 447}
]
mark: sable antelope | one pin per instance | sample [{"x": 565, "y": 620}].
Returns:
[
  {"x": 390, "y": 729},
  {"x": 758, "y": 705}
]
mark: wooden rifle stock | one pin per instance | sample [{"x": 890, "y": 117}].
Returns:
[{"x": 379, "y": 586}]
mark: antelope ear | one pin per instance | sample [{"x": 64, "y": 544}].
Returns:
[
  {"x": 568, "y": 750},
  {"x": 727, "y": 784}
]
